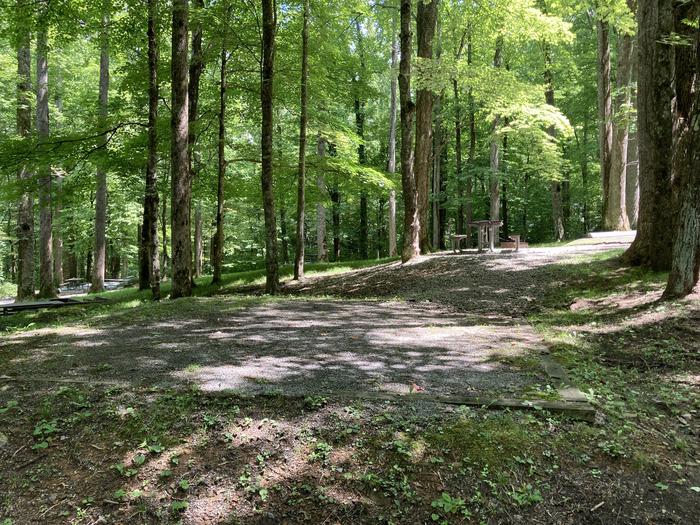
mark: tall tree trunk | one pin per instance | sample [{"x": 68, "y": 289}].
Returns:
[
  {"x": 391, "y": 160},
  {"x": 495, "y": 158},
  {"x": 605, "y": 130},
  {"x": 685, "y": 263},
  {"x": 437, "y": 174},
  {"x": 164, "y": 233},
  {"x": 266, "y": 99},
  {"x": 99, "y": 263},
  {"x": 437, "y": 147},
  {"x": 46, "y": 282},
  {"x": 25, "y": 211},
  {"x": 504, "y": 188},
  {"x": 411, "y": 229},
  {"x": 335, "y": 200},
  {"x": 283, "y": 234},
  {"x": 632, "y": 190},
  {"x": 584, "y": 175},
  {"x": 426, "y": 19},
  {"x": 469, "y": 206},
  {"x": 98, "y": 277},
  {"x": 359, "y": 107},
  {"x": 57, "y": 236},
  {"x": 556, "y": 186},
  {"x": 144, "y": 269},
  {"x": 196, "y": 67},
  {"x": 301, "y": 173},
  {"x": 616, "y": 211},
  {"x": 653, "y": 244},
  {"x": 321, "y": 243},
  {"x": 150, "y": 272},
  {"x": 198, "y": 241},
  {"x": 179, "y": 156},
  {"x": 459, "y": 223},
  {"x": 218, "y": 245}
]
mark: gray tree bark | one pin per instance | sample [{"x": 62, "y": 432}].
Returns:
[
  {"x": 150, "y": 206},
  {"x": 411, "y": 242},
  {"x": 57, "y": 235},
  {"x": 198, "y": 241},
  {"x": 653, "y": 244},
  {"x": 556, "y": 186},
  {"x": 632, "y": 190},
  {"x": 321, "y": 242},
  {"x": 616, "y": 210},
  {"x": 426, "y": 18},
  {"x": 685, "y": 263},
  {"x": 269, "y": 17},
  {"x": 391, "y": 160},
  {"x": 98, "y": 276},
  {"x": 25, "y": 209},
  {"x": 495, "y": 156},
  {"x": 179, "y": 155},
  {"x": 218, "y": 245},
  {"x": 438, "y": 147},
  {"x": 301, "y": 173},
  {"x": 605, "y": 130},
  {"x": 46, "y": 282}
]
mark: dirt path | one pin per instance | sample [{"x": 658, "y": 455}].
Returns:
[{"x": 449, "y": 324}]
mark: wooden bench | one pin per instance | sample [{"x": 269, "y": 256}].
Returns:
[
  {"x": 512, "y": 242},
  {"x": 13, "y": 308},
  {"x": 457, "y": 242}
]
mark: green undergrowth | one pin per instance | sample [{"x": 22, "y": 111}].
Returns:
[
  {"x": 129, "y": 298},
  {"x": 150, "y": 454},
  {"x": 626, "y": 350}
]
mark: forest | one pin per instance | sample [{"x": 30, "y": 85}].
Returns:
[
  {"x": 371, "y": 126},
  {"x": 369, "y": 261}
]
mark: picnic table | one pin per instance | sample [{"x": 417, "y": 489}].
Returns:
[
  {"x": 486, "y": 232},
  {"x": 73, "y": 283}
]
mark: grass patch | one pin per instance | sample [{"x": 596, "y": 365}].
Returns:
[
  {"x": 126, "y": 299},
  {"x": 7, "y": 289},
  {"x": 491, "y": 441}
]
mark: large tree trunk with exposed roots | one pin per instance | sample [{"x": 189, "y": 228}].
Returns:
[{"x": 653, "y": 244}]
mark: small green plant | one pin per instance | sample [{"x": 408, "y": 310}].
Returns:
[
  {"x": 526, "y": 495},
  {"x": 446, "y": 506},
  {"x": 43, "y": 432},
  {"x": 179, "y": 505},
  {"x": 613, "y": 448},
  {"x": 126, "y": 472},
  {"x": 321, "y": 452},
  {"x": 10, "y": 405},
  {"x": 315, "y": 402}
]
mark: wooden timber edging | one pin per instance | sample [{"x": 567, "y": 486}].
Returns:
[{"x": 581, "y": 411}]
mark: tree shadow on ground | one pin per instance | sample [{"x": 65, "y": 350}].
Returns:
[{"x": 291, "y": 347}]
